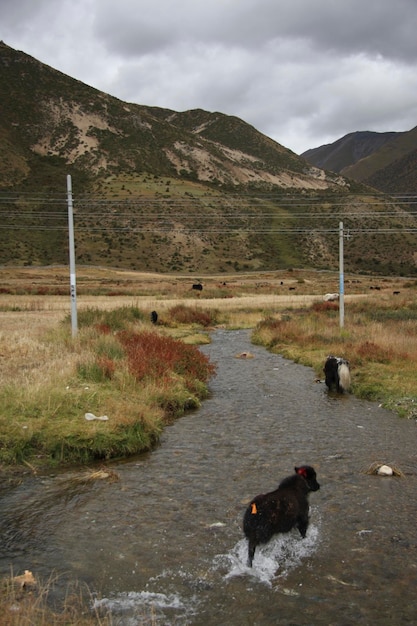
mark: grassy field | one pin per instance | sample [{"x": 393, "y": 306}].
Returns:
[
  {"x": 379, "y": 341},
  {"x": 103, "y": 394},
  {"x": 49, "y": 380}
]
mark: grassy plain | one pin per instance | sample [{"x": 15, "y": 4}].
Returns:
[{"x": 49, "y": 379}]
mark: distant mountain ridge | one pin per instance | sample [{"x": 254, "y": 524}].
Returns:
[
  {"x": 348, "y": 150},
  {"x": 386, "y": 161}
]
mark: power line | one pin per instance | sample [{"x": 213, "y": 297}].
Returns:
[
  {"x": 26, "y": 214},
  {"x": 187, "y": 230},
  {"x": 158, "y": 215},
  {"x": 285, "y": 199}
]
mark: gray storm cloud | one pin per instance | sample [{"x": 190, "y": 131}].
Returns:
[{"x": 305, "y": 73}]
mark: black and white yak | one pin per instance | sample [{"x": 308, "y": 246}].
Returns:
[{"x": 337, "y": 373}]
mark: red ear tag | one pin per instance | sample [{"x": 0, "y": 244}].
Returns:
[
  {"x": 254, "y": 509},
  {"x": 302, "y": 472}
]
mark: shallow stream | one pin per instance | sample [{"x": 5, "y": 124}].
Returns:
[{"x": 164, "y": 542}]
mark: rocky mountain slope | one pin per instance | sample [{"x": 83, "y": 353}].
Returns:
[
  {"x": 48, "y": 115},
  {"x": 159, "y": 190}
]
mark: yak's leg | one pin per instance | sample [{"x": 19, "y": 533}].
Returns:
[
  {"x": 302, "y": 525},
  {"x": 251, "y": 551}
]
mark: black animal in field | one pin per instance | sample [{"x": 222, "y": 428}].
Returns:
[
  {"x": 154, "y": 317},
  {"x": 281, "y": 510},
  {"x": 197, "y": 287},
  {"x": 337, "y": 373}
]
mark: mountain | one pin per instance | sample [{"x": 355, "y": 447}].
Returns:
[
  {"x": 160, "y": 190},
  {"x": 49, "y": 118},
  {"x": 392, "y": 168},
  {"x": 348, "y": 150},
  {"x": 385, "y": 161}
]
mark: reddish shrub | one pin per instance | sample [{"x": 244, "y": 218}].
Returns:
[
  {"x": 272, "y": 323},
  {"x": 103, "y": 328},
  {"x": 151, "y": 355},
  {"x": 106, "y": 366},
  {"x": 325, "y": 306},
  {"x": 370, "y": 351},
  {"x": 191, "y": 315}
]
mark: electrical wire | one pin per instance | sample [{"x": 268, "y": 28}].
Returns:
[{"x": 22, "y": 212}]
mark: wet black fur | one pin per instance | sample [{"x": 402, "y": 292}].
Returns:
[{"x": 281, "y": 510}]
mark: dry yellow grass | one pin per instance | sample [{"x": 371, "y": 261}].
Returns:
[
  {"x": 25, "y": 356},
  {"x": 24, "y": 602},
  {"x": 26, "y": 359},
  {"x": 245, "y": 298}
]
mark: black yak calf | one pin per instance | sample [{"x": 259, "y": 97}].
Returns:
[
  {"x": 337, "y": 373},
  {"x": 281, "y": 510}
]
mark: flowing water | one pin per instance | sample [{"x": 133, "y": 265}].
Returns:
[{"x": 164, "y": 542}]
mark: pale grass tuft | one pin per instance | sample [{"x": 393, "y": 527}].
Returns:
[
  {"x": 24, "y": 601},
  {"x": 24, "y": 581},
  {"x": 104, "y": 473},
  {"x": 374, "y": 467}
]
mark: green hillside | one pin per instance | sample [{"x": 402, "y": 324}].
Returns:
[{"x": 158, "y": 190}]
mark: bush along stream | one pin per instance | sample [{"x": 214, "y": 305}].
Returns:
[{"x": 118, "y": 383}]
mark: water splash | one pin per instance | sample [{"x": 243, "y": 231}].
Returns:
[
  {"x": 129, "y": 607},
  {"x": 273, "y": 560}
]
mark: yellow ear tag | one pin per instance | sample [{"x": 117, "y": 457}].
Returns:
[{"x": 254, "y": 509}]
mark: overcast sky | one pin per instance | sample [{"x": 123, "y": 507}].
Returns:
[{"x": 304, "y": 72}]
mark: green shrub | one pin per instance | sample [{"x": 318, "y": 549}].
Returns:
[{"x": 109, "y": 321}]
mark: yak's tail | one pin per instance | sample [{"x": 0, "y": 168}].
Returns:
[{"x": 344, "y": 376}]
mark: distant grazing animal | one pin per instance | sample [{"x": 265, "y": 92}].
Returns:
[
  {"x": 198, "y": 287},
  {"x": 281, "y": 510},
  {"x": 331, "y": 297},
  {"x": 154, "y": 317},
  {"x": 337, "y": 373}
]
